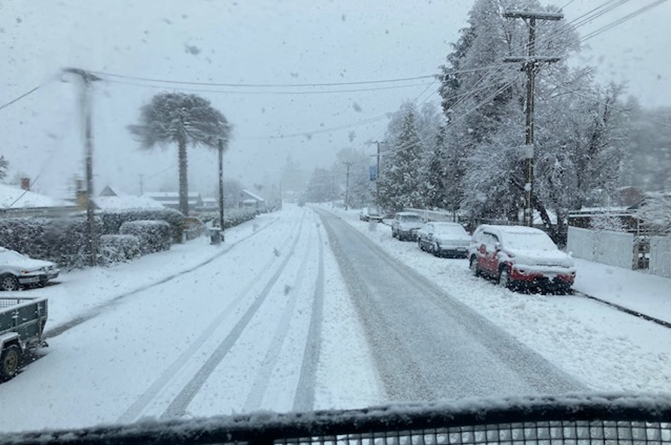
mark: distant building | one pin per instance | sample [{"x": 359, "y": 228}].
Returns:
[
  {"x": 171, "y": 199},
  {"x": 252, "y": 200},
  {"x": 22, "y": 202},
  {"x": 210, "y": 203},
  {"x": 126, "y": 203},
  {"x": 108, "y": 191}
]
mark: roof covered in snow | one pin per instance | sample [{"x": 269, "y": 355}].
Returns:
[
  {"x": 126, "y": 202},
  {"x": 12, "y": 197}
]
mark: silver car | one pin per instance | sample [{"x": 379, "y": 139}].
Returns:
[{"x": 18, "y": 270}]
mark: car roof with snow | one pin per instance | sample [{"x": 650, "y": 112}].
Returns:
[
  {"x": 408, "y": 214},
  {"x": 512, "y": 229}
]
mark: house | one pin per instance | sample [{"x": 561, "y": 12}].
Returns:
[
  {"x": 252, "y": 200},
  {"x": 126, "y": 202},
  {"x": 22, "y": 202},
  {"x": 210, "y": 204},
  {"x": 171, "y": 199}
]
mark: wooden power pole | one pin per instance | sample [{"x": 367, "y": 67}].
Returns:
[{"x": 530, "y": 64}]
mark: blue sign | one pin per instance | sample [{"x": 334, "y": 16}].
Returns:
[{"x": 372, "y": 172}]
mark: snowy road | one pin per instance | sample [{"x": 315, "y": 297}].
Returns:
[
  {"x": 426, "y": 345},
  {"x": 242, "y": 332},
  {"x": 305, "y": 310}
]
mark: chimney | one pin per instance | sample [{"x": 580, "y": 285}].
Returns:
[{"x": 25, "y": 183}]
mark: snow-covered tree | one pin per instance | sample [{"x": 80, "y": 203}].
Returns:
[
  {"x": 656, "y": 213},
  {"x": 4, "y": 164},
  {"x": 182, "y": 119},
  {"x": 401, "y": 173},
  {"x": 434, "y": 175},
  {"x": 320, "y": 187}
]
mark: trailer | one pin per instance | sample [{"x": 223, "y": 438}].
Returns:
[{"x": 22, "y": 321}]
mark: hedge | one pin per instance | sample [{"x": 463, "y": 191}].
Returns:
[
  {"x": 232, "y": 217},
  {"x": 154, "y": 236},
  {"x": 113, "y": 220},
  {"x": 118, "y": 249},
  {"x": 62, "y": 240}
]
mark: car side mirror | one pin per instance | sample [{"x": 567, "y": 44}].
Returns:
[{"x": 497, "y": 246}]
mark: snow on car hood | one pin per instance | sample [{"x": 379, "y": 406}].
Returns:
[
  {"x": 452, "y": 240},
  {"x": 541, "y": 257},
  {"x": 14, "y": 259}
]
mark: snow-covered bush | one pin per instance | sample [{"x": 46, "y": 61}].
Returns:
[
  {"x": 154, "y": 236},
  {"x": 118, "y": 249},
  {"x": 63, "y": 241},
  {"x": 113, "y": 220},
  {"x": 232, "y": 217}
]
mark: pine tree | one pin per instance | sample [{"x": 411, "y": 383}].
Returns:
[{"x": 401, "y": 175}]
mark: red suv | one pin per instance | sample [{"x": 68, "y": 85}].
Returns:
[{"x": 520, "y": 256}]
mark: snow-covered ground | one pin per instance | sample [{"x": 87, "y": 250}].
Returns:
[
  {"x": 267, "y": 321},
  {"x": 606, "y": 349},
  {"x": 199, "y": 330}
]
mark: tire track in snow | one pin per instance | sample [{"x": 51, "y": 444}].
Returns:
[
  {"x": 305, "y": 393},
  {"x": 262, "y": 380},
  {"x": 135, "y": 410},
  {"x": 97, "y": 310},
  {"x": 402, "y": 378},
  {"x": 180, "y": 403}
]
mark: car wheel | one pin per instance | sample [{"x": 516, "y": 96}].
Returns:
[
  {"x": 9, "y": 283},
  {"x": 504, "y": 278},
  {"x": 9, "y": 362},
  {"x": 435, "y": 250},
  {"x": 473, "y": 264},
  {"x": 419, "y": 244}
]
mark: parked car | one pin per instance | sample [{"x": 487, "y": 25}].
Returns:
[
  {"x": 444, "y": 239},
  {"x": 519, "y": 256},
  {"x": 18, "y": 270},
  {"x": 370, "y": 214},
  {"x": 22, "y": 323},
  {"x": 405, "y": 225}
]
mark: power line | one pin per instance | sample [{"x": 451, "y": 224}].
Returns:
[
  {"x": 622, "y": 20},
  {"x": 279, "y": 85},
  {"x": 265, "y": 93},
  {"x": 21, "y": 97}
]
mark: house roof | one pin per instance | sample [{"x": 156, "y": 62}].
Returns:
[
  {"x": 253, "y": 195},
  {"x": 172, "y": 198},
  {"x": 12, "y": 197},
  {"x": 126, "y": 202}
]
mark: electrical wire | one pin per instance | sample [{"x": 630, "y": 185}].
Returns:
[
  {"x": 622, "y": 20},
  {"x": 285, "y": 85},
  {"x": 199, "y": 90},
  {"x": 21, "y": 97}
]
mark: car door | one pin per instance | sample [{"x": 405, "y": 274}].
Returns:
[{"x": 489, "y": 254}]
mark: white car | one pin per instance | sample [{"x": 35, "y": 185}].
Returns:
[
  {"x": 18, "y": 270},
  {"x": 405, "y": 225},
  {"x": 444, "y": 239},
  {"x": 518, "y": 256}
]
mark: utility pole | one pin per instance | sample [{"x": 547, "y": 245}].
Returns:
[
  {"x": 377, "y": 173},
  {"x": 348, "y": 164},
  {"x": 221, "y": 187},
  {"x": 530, "y": 65},
  {"x": 86, "y": 79}
]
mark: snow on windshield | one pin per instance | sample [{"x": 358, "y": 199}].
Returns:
[{"x": 528, "y": 241}]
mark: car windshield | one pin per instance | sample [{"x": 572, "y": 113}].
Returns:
[
  {"x": 528, "y": 241},
  {"x": 220, "y": 203},
  {"x": 456, "y": 231}
]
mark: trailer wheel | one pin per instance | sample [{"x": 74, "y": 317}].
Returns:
[
  {"x": 9, "y": 282},
  {"x": 9, "y": 362}
]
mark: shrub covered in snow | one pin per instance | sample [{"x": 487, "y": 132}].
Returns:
[
  {"x": 232, "y": 217},
  {"x": 154, "y": 236},
  {"x": 113, "y": 220},
  {"x": 118, "y": 249},
  {"x": 62, "y": 241}
]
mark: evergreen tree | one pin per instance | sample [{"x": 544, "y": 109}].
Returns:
[
  {"x": 401, "y": 175},
  {"x": 182, "y": 119}
]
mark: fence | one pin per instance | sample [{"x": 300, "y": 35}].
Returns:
[
  {"x": 433, "y": 215},
  {"x": 603, "y": 246},
  {"x": 660, "y": 255},
  {"x": 567, "y": 420}
]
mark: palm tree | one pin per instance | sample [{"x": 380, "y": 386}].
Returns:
[{"x": 183, "y": 119}]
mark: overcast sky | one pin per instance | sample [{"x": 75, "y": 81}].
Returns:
[{"x": 254, "y": 42}]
